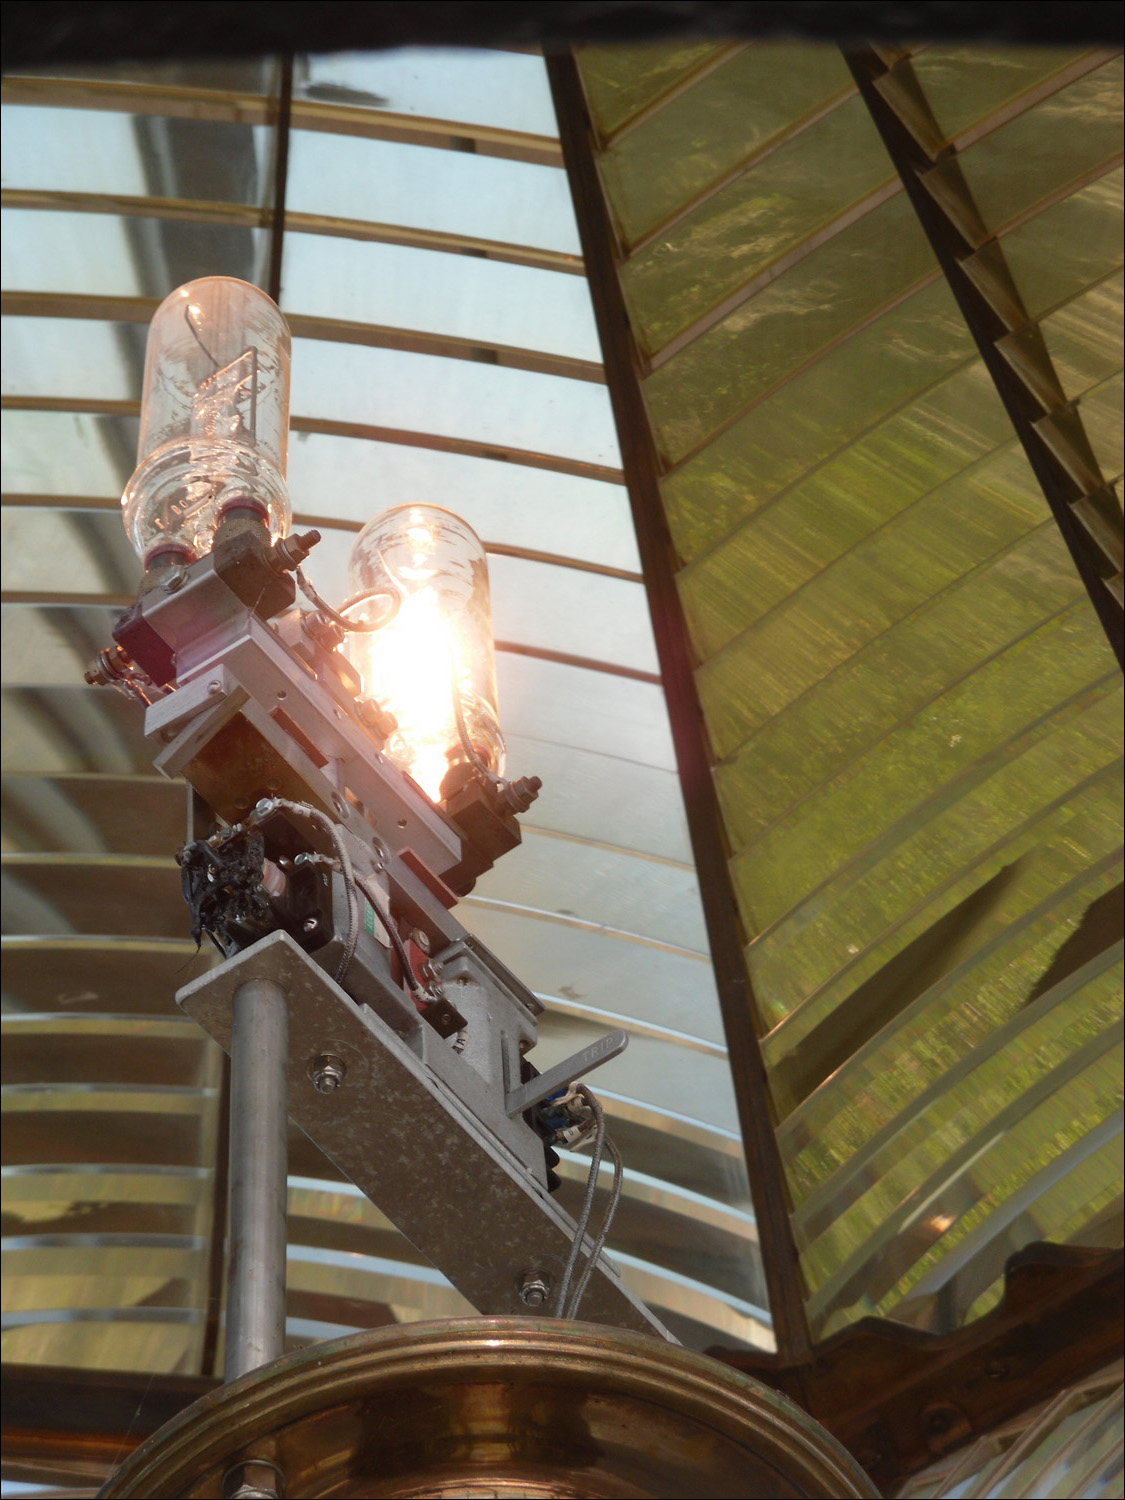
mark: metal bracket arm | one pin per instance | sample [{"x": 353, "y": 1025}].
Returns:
[{"x": 540, "y": 1088}]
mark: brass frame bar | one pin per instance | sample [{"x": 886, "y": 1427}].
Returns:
[
  {"x": 245, "y": 216},
  {"x": 37, "y": 599},
  {"x": 111, "y": 503},
  {"x": 309, "y": 326},
  {"x": 234, "y": 107},
  {"x": 972, "y": 259},
  {"x": 586, "y": 663},
  {"x": 767, "y": 1182},
  {"x": 438, "y": 442},
  {"x": 128, "y": 205}
]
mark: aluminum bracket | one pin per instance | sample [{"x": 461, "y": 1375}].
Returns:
[{"x": 401, "y": 1133}]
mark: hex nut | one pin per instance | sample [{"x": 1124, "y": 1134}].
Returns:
[
  {"x": 534, "y": 1289},
  {"x": 327, "y": 1072}
]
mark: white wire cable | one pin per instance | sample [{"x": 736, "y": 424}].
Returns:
[
  {"x": 603, "y": 1233},
  {"x": 565, "y": 1304}
]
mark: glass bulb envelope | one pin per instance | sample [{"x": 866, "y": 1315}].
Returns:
[
  {"x": 214, "y": 418},
  {"x": 423, "y": 570}
]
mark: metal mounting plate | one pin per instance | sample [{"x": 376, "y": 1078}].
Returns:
[{"x": 406, "y": 1140}]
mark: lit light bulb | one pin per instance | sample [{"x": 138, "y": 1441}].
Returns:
[
  {"x": 214, "y": 419},
  {"x": 432, "y": 666}
]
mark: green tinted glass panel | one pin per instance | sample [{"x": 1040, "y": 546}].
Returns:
[
  {"x": 992, "y": 1088},
  {"x": 876, "y": 1260},
  {"x": 1026, "y": 1153},
  {"x": 804, "y": 539},
  {"x": 728, "y": 117},
  {"x": 905, "y": 863},
  {"x": 864, "y": 593},
  {"x": 1083, "y": 337},
  {"x": 914, "y": 712},
  {"x": 930, "y": 951},
  {"x": 863, "y": 904},
  {"x": 796, "y": 972},
  {"x": 619, "y": 81},
  {"x": 880, "y": 370},
  {"x": 956, "y": 741},
  {"x": 840, "y": 504},
  {"x": 918, "y": 1061},
  {"x": 1099, "y": 1219},
  {"x": 764, "y": 214},
  {"x": 1074, "y": 133},
  {"x": 964, "y": 85},
  {"x": 1067, "y": 248},
  {"x": 830, "y": 293},
  {"x": 1102, "y": 415},
  {"x": 855, "y": 707}
]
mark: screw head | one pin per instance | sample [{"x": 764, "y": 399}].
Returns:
[
  {"x": 534, "y": 1289},
  {"x": 310, "y": 924},
  {"x": 421, "y": 940},
  {"x": 327, "y": 1073}
]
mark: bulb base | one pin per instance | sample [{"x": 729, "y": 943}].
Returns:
[{"x": 179, "y": 494}]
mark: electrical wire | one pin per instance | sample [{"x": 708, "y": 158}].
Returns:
[
  {"x": 467, "y": 745},
  {"x": 394, "y": 594},
  {"x": 347, "y": 870},
  {"x": 603, "y": 1233},
  {"x": 393, "y": 933},
  {"x": 561, "y": 1296}
]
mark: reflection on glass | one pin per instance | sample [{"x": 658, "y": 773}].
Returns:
[
  {"x": 507, "y": 90},
  {"x": 491, "y": 301},
  {"x": 96, "y": 151},
  {"x": 431, "y": 665},
  {"x": 521, "y": 203},
  {"x": 214, "y": 418}
]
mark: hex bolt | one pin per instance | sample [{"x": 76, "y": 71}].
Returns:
[
  {"x": 173, "y": 579},
  {"x": 534, "y": 1289},
  {"x": 327, "y": 1072}
]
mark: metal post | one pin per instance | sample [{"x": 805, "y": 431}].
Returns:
[{"x": 255, "y": 1332}]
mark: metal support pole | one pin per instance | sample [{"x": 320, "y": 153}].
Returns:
[{"x": 255, "y": 1330}]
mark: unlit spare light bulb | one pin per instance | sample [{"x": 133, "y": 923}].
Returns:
[
  {"x": 214, "y": 419},
  {"x": 432, "y": 665}
]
